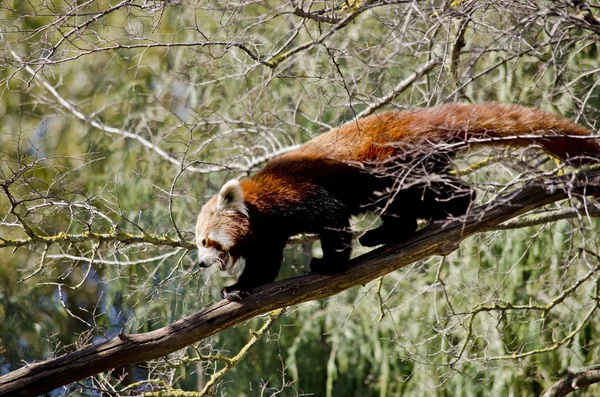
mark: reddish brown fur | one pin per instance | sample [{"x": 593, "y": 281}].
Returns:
[
  {"x": 316, "y": 187},
  {"x": 375, "y": 137},
  {"x": 267, "y": 190},
  {"x": 381, "y": 136}
]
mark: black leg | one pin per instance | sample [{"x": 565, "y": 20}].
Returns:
[
  {"x": 451, "y": 198},
  {"x": 393, "y": 230},
  {"x": 433, "y": 201},
  {"x": 399, "y": 218},
  {"x": 337, "y": 246},
  {"x": 262, "y": 266}
]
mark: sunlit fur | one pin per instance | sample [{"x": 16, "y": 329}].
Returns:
[{"x": 394, "y": 163}]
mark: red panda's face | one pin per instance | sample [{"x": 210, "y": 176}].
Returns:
[{"x": 221, "y": 225}]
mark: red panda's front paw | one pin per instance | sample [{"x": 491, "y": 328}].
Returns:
[{"x": 233, "y": 294}]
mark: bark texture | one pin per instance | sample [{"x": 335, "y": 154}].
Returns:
[{"x": 573, "y": 382}]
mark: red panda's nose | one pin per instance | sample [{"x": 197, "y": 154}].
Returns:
[{"x": 203, "y": 264}]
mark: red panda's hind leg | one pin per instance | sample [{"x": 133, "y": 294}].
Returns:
[
  {"x": 336, "y": 243},
  {"x": 450, "y": 198},
  {"x": 395, "y": 228},
  {"x": 434, "y": 201}
]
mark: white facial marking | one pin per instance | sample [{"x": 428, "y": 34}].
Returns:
[
  {"x": 208, "y": 255},
  {"x": 212, "y": 256},
  {"x": 222, "y": 238}
]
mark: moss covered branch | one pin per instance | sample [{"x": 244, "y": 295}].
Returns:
[{"x": 117, "y": 237}]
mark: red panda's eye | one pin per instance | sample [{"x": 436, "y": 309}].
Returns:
[{"x": 204, "y": 242}]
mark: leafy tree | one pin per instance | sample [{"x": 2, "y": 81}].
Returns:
[{"x": 121, "y": 118}]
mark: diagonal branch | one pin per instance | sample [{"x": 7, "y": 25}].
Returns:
[
  {"x": 403, "y": 85},
  {"x": 574, "y": 382},
  {"x": 441, "y": 238}
]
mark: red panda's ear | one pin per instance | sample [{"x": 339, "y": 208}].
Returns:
[{"x": 231, "y": 197}]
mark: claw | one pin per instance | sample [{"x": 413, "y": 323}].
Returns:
[{"x": 234, "y": 295}]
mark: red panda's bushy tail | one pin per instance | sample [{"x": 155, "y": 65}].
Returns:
[
  {"x": 493, "y": 123},
  {"x": 379, "y": 137}
]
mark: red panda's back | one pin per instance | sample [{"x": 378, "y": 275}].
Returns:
[
  {"x": 366, "y": 139},
  {"x": 376, "y": 137}
]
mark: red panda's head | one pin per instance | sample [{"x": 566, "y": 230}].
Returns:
[{"x": 221, "y": 226}]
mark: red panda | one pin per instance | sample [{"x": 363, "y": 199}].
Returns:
[{"x": 395, "y": 163}]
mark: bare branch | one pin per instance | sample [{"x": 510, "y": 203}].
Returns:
[
  {"x": 315, "y": 16},
  {"x": 573, "y": 382},
  {"x": 403, "y": 85},
  {"x": 119, "y": 237},
  {"x": 550, "y": 216},
  {"x": 439, "y": 239}
]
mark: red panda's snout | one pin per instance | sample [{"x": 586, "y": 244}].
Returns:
[{"x": 221, "y": 226}]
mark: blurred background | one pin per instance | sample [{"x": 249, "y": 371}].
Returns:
[{"x": 119, "y": 119}]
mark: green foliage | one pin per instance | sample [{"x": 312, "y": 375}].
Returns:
[{"x": 164, "y": 125}]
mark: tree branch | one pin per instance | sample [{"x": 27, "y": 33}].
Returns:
[
  {"x": 112, "y": 236},
  {"x": 403, "y": 85},
  {"x": 573, "y": 382},
  {"x": 440, "y": 238},
  {"x": 546, "y": 217}
]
